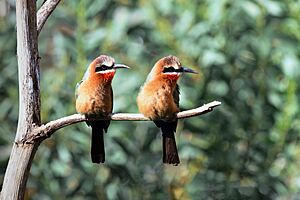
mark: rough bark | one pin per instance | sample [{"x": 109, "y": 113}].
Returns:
[
  {"x": 29, "y": 101},
  {"x": 17, "y": 172}
]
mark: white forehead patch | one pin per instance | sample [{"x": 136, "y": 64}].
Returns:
[{"x": 107, "y": 62}]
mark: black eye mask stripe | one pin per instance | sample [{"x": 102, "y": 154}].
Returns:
[
  {"x": 103, "y": 68},
  {"x": 172, "y": 69}
]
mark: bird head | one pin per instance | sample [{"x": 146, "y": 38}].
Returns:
[
  {"x": 105, "y": 66},
  {"x": 171, "y": 67}
]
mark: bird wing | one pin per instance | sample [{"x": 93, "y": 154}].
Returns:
[
  {"x": 170, "y": 126},
  {"x": 176, "y": 95},
  {"x": 76, "y": 88},
  {"x": 112, "y": 99},
  {"x": 107, "y": 122},
  {"x": 85, "y": 76}
]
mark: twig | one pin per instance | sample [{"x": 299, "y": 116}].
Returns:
[
  {"x": 46, "y": 130},
  {"x": 44, "y": 12}
]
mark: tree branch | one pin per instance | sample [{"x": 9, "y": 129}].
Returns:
[
  {"x": 46, "y": 130},
  {"x": 44, "y": 12},
  {"x": 17, "y": 171}
]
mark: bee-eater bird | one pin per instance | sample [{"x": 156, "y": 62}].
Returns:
[
  {"x": 94, "y": 98},
  {"x": 158, "y": 100}
]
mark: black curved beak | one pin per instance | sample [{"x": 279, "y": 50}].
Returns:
[
  {"x": 188, "y": 70},
  {"x": 117, "y": 66}
]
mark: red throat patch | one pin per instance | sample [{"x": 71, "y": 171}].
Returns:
[
  {"x": 107, "y": 76},
  {"x": 173, "y": 76}
]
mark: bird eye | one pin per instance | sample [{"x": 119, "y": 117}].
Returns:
[
  {"x": 169, "y": 69},
  {"x": 104, "y": 67}
]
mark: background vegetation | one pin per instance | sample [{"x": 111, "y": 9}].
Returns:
[{"x": 247, "y": 53}]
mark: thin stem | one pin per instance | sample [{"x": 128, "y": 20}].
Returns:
[
  {"x": 44, "y": 12},
  {"x": 46, "y": 130}
]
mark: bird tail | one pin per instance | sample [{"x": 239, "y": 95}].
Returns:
[
  {"x": 97, "y": 143},
  {"x": 170, "y": 153}
]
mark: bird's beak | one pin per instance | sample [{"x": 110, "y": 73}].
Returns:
[
  {"x": 189, "y": 70},
  {"x": 117, "y": 66}
]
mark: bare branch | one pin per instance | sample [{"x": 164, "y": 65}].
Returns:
[
  {"x": 44, "y": 12},
  {"x": 48, "y": 129}
]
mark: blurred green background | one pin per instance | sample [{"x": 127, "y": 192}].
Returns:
[{"x": 247, "y": 53}]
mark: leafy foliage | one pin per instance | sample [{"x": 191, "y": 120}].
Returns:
[{"x": 249, "y": 57}]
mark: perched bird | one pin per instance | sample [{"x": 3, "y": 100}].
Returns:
[
  {"x": 94, "y": 98},
  {"x": 158, "y": 100}
]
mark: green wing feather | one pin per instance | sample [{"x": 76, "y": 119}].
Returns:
[{"x": 85, "y": 76}]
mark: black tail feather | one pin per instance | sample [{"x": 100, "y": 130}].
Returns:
[
  {"x": 170, "y": 153},
  {"x": 97, "y": 143}
]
